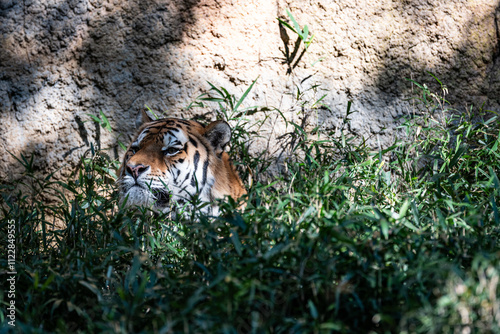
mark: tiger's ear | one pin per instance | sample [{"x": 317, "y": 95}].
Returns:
[
  {"x": 218, "y": 134},
  {"x": 142, "y": 118}
]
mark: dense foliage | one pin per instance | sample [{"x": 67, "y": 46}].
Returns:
[{"x": 340, "y": 238}]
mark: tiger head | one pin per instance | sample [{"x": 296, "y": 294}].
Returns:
[{"x": 171, "y": 161}]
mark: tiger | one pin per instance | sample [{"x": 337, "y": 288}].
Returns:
[{"x": 172, "y": 161}]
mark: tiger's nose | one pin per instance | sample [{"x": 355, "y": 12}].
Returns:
[{"x": 136, "y": 170}]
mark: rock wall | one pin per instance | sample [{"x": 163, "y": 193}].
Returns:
[{"x": 63, "y": 59}]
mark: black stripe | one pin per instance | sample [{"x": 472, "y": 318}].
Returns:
[
  {"x": 177, "y": 176},
  {"x": 191, "y": 139},
  {"x": 185, "y": 179},
  {"x": 161, "y": 127},
  {"x": 196, "y": 161},
  {"x": 156, "y": 126},
  {"x": 205, "y": 169}
]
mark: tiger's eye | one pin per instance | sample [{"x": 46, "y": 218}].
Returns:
[{"x": 171, "y": 151}]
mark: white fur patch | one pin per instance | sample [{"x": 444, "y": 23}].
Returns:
[
  {"x": 140, "y": 138},
  {"x": 137, "y": 196},
  {"x": 174, "y": 138}
]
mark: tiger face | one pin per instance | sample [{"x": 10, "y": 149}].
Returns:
[{"x": 171, "y": 161}]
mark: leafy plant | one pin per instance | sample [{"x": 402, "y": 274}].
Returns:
[
  {"x": 103, "y": 121},
  {"x": 303, "y": 33},
  {"x": 342, "y": 239}
]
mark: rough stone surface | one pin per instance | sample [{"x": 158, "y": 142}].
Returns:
[{"x": 63, "y": 59}]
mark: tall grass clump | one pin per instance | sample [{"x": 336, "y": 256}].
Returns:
[{"x": 342, "y": 239}]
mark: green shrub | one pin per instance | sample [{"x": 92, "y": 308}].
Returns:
[{"x": 343, "y": 239}]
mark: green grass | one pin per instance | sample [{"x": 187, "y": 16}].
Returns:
[{"x": 344, "y": 239}]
